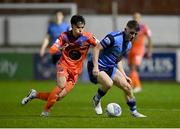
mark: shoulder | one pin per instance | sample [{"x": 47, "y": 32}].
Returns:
[
  {"x": 145, "y": 29},
  {"x": 144, "y": 26},
  {"x": 115, "y": 33},
  {"x": 87, "y": 34},
  {"x": 64, "y": 24},
  {"x": 90, "y": 37},
  {"x": 110, "y": 39},
  {"x": 116, "y": 36},
  {"x": 64, "y": 35},
  {"x": 51, "y": 23}
]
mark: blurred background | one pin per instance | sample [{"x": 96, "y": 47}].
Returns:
[{"x": 23, "y": 25}]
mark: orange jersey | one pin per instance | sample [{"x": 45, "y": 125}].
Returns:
[
  {"x": 138, "y": 44},
  {"x": 73, "y": 50}
]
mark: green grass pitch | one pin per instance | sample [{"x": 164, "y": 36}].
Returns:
[{"x": 160, "y": 101}]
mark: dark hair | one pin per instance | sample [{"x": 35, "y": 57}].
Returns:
[
  {"x": 133, "y": 24},
  {"x": 77, "y": 18}
]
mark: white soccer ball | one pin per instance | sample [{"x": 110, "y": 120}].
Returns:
[{"x": 113, "y": 110}]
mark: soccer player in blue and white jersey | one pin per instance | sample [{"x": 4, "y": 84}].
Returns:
[
  {"x": 106, "y": 66},
  {"x": 55, "y": 28}
]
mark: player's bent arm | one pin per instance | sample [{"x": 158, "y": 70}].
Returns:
[
  {"x": 58, "y": 46},
  {"x": 55, "y": 48},
  {"x": 44, "y": 45},
  {"x": 149, "y": 45},
  {"x": 96, "y": 51},
  {"x": 120, "y": 67}
]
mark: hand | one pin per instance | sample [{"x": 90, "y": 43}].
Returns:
[
  {"x": 148, "y": 54},
  {"x": 95, "y": 71}
]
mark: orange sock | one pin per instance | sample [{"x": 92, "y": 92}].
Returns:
[
  {"x": 43, "y": 95},
  {"x": 53, "y": 96},
  {"x": 135, "y": 78}
]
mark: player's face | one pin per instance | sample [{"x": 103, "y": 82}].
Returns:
[
  {"x": 130, "y": 33},
  {"x": 137, "y": 17},
  {"x": 78, "y": 29},
  {"x": 59, "y": 16}
]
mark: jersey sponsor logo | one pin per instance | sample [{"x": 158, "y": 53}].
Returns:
[{"x": 75, "y": 54}]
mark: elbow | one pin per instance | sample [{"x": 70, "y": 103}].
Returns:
[{"x": 53, "y": 50}]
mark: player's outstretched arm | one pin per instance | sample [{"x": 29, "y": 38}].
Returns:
[{"x": 44, "y": 45}]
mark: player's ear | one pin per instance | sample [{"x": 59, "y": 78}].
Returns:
[{"x": 72, "y": 25}]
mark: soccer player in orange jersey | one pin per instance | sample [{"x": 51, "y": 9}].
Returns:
[
  {"x": 137, "y": 52},
  {"x": 74, "y": 45},
  {"x": 55, "y": 28}
]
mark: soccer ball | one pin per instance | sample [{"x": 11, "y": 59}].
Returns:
[{"x": 113, "y": 110}]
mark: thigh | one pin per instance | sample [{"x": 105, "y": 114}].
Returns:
[
  {"x": 62, "y": 76},
  {"x": 104, "y": 79},
  {"x": 71, "y": 81},
  {"x": 120, "y": 81}
]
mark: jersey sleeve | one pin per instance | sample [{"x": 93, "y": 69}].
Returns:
[
  {"x": 107, "y": 41},
  {"x": 147, "y": 31},
  {"x": 92, "y": 40},
  {"x": 55, "y": 48}
]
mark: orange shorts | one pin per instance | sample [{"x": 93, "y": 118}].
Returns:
[
  {"x": 135, "y": 59},
  {"x": 71, "y": 77}
]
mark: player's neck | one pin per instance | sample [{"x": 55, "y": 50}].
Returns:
[
  {"x": 58, "y": 22},
  {"x": 74, "y": 34}
]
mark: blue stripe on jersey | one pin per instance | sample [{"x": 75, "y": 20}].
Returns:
[
  {"x": 103, "y": 44},
  {"x": 106, "y": 42},
  {"x": 81, "y": 40},
  {"x": 103, "y": 64}
]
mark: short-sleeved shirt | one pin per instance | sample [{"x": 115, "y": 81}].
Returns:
[
  {"x": 114, "y": 48},
  {"x": 75, "y": 53}
]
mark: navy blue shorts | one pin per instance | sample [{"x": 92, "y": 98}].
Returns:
[{"x": 110, "y": 71}]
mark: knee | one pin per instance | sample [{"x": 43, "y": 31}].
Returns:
[
  {"x": 61, "y": 83},
  {"x": 62, "y": 86},
  {"x": 68, "y": 88},
  {"x": 128, "y": 89},
  {"x": 109, "y": 84}
]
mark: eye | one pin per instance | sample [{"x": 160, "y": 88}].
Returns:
[{"x": 133, "y": 33}]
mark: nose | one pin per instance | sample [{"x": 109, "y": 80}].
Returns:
[{"x": 80, "y": 30}]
